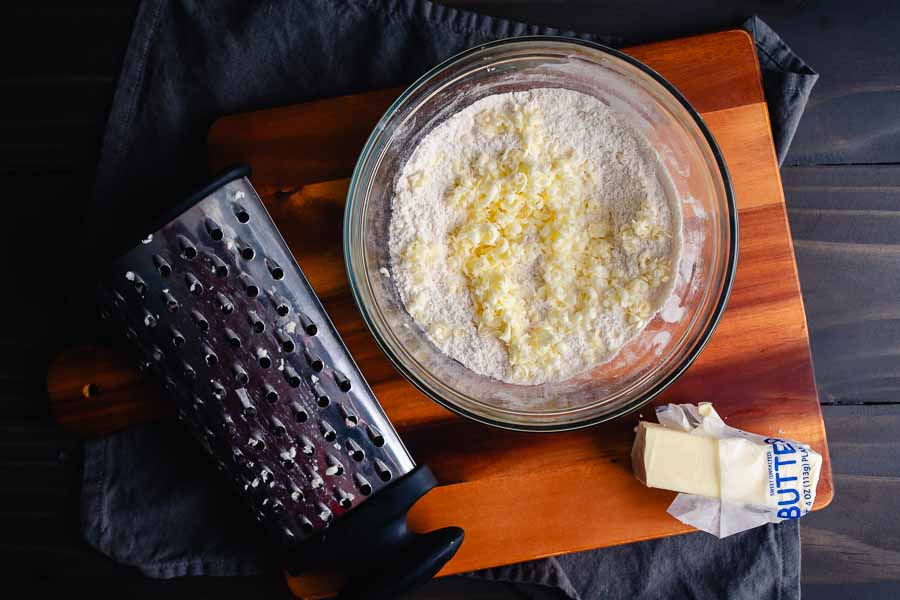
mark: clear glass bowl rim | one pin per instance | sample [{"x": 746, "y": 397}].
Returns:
[{"x": 732, "y": 223}]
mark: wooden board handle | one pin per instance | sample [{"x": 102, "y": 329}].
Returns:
[{"x": 95, "y": 390}]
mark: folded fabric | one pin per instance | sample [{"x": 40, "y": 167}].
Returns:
[{"x": 149, "y": 499}]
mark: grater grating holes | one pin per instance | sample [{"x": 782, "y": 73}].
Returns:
[
  {"x": 247, "y": 407},
  {"x": 256, "y": 323},
  {"x": 345, "y": 499},
  {"x": 275, "y": 271},
  {"x": 212, "y": 228},
  {"x": 188, "y": 370},
  {"x": 241, "y": 214},
  {"x": 315, "y": 480},
  {"x": 270, "y": 393},
  {"x": 308, "y": 326},
  {"x": 306, "y": 445},
  {"x": 324, "y": 513},
  {"x": 278, "y": 427},
  {"x": 375, "y": 436},
  {"x": 149, "y": 319},
  {"x": 350, "y": 419},
  {"x": 240, "y": 373},
  {"x": 170, "y": 301},
  {"x": 300, "y": 414},
  {"x": 282, "y": 308},
  {"x": 209, "y": 356},
  {"x": 162, "y": 266},
  {"x": 263, "y": 358},
  {"x": 285, "y": 341},
  {"x": 335, "y": 466},
  {"x": 342, "y": 382},
  {"x": 292, "y": 377},
  {"x": 139, "y": 285},
  {"x": 355, "y": 450},
  {"x": 233, "y": 339},
  {"x": 188, "y": 250},
  {"x": 217, "y": 389},
  {"x": 322, "y": 398},
  {"x": 265, "y": 474},
  {"x": 216, "y": 265},
  {"x": 362, "y": 484},
  {"x": 297, "y": 494},
  {"x": 315, "y": 363},
  {"x": 224, "y": 304},
  {"x": 200, "y": 320},
  {"x": 193, "y": 284},
  {"x": 245, "y": 250},
  {"x": 382, "y": 470},
  {"x": 250, "y": 287},
  {"x": 327, "y": 431}
]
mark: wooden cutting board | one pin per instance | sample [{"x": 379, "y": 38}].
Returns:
[{"x": 521, "y": 496}]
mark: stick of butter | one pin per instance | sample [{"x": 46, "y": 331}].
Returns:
[
  {"x": 676, "y": 460},
  {"x": 730, "y": 480}
]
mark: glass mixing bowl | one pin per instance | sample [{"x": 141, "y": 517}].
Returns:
[{"x": 671, "y": 341}]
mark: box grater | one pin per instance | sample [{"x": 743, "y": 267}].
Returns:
[{"x": 219, "y": 309}]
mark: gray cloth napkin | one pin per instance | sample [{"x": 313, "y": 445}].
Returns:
[
  {"x": 149, "y": 498},
  {"x": 787, "y": 82}
]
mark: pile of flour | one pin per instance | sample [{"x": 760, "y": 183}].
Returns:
[{"x": 622, "y": 183}]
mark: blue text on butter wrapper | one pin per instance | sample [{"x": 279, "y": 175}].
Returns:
[{"x": 788, "y": 487}]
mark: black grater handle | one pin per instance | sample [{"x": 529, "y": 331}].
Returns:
[
  {"x": 374, "y": 543},
  {"x": 410, "y": 568}
]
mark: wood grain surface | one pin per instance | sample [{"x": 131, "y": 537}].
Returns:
[
  {"x": 847, "y": 222},
  {"x": 855, "y": 541},
  {"x": 57, "y": 91},
  {"x": 756, "y": 368}
]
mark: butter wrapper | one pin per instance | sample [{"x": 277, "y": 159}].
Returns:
[{"x": 729, "y": 480}]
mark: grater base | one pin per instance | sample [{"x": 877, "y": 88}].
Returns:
[{"x": 375, "y": 545}]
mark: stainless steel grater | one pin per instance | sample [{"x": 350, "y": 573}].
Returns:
[{"x": 220, "y": 310}]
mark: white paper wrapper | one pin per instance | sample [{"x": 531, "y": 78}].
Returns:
[{"x": 760, "y": 480}]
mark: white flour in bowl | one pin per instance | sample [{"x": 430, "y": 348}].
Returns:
[{"x": 532, "y": 235}]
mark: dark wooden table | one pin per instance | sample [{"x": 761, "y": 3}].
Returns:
[{"x": 841, "y": 179}]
